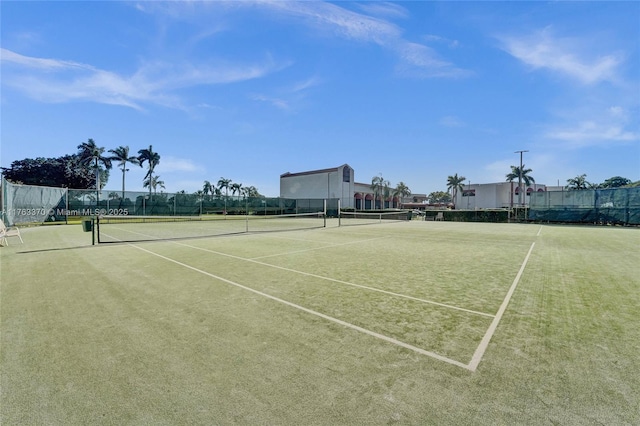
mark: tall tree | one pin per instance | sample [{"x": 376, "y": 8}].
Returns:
[
  {"x": 121, "y": 154},
  {"x": 235, "y": 187},
  {"x": 615, "y": 182},
  {"x": 59, "y": 172},
  {"x": 208, "y": 188},
  {"x": 90, "y": 155},
  {"x": 578, "y": 183},
  {"x": 250, "y": 191},
  {"x": 401, "y": 190},
  {"x": 153, "y": 182},
  {"x": 224, "y": 184},
  {"x": 379, "y": 186},
  {"x": 152, "y": 158},
  {"x": 523, "y": 175},
  {"x": 455, "y": 184}
]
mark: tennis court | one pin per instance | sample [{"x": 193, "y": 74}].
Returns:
[{"x": 403, "y": 322}]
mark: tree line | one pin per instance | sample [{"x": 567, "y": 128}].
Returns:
[
  {"x": 90, "y": 166},
  {"x": 89, "y": 169},
  {"x": 382, "y": 189}
]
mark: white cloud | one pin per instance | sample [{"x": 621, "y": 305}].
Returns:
[
  {"x": 384, "y": 9},
  {"x": 587, "y": 133},
  {"x": 439, "y": 39},
  {"x": 594, "y": 128},
  {"x": 418, "y": 60},
  {"x": 45, "y": 64},
  {"x": 54, "y": 80},
  {"x": 568, "y": 56},
  {"x": 289, "y": 97},
  {"x": 305, "y": 84},
  {"x": 277, "y": 102}
]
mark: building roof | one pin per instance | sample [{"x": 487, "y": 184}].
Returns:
[{"x": 313, "y": 172}]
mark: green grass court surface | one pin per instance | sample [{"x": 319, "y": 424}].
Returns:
[{"x": 413, "y": 322}]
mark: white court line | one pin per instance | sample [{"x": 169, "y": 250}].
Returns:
[
  {"x": 484, "y": 343},
  {"x": 404, "y": 296},
  {"x": 539, "y": 231},
  {"x": 312, "y": 312},
  {"x": 477, "y": 356}
]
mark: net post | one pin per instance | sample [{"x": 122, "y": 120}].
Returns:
[
  {"x": 93, "y": 231},
  {"x": 324, "y": 213}
]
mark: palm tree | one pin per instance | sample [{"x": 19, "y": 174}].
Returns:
[
  {"x": 578, "y": 183},
  {"x": 121, "y": 154},
  {"x": 208, "y": 188},
  {"x": 224, "y": 184},
  {"x": 401, "y": 190},
  {"x": 250, "y": 191},
  {"x": 386, "y": 193},
  {"x": 455, "y": 183},
  {"x": 152, "y": 159},
  {"x": 379, "y": 186},
  {"x": 235, "y": 187},
  {"x": 90, "y": 154},
  {"x": 153, "y": 182},
  {"x": 523, "y": 176}
]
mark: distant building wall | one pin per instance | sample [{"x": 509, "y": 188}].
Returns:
[
  {"x": 334, "y": 183},
  {"x": 495, "y": 195},
  {"x": 337, "y": 182}
]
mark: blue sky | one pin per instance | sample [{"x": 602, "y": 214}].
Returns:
[{"x": 415, "y": 91}]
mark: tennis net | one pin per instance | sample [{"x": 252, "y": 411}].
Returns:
[
  {"x": 349, "y": 218},
  {"x": 118, "y": 229}
]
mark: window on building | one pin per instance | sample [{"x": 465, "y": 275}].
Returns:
[{"x": 346, "y": 174}]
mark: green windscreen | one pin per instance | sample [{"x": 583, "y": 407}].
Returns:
[{"x": 603, "y": 206}]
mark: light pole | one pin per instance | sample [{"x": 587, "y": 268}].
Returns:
[{"x": 520, "y": 178}]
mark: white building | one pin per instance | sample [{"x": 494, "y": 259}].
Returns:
[
  {"x": 495, "y": 195},
  {"x": 337, "y": 182}
]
